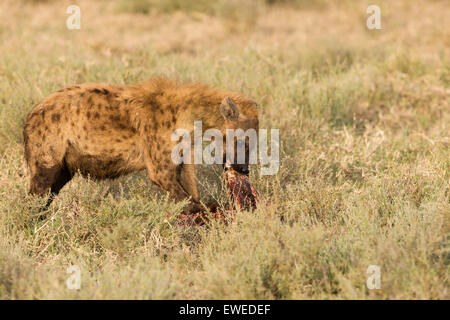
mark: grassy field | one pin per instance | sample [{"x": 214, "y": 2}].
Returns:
[{"x": 364, "y": 119}]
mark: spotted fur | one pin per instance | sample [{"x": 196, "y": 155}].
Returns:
[{"x": 106, "y": 131}]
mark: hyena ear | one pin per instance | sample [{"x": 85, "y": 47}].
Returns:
[{"x": 229, "y": 110}]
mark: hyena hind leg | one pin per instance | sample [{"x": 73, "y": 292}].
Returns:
[{"x": 51, "y": 179}]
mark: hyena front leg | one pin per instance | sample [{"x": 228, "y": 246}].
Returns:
[
  {"x": 186, "y": 178},
  {"x": 179, "y": 180}
]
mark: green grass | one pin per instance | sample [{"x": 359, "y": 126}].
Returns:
[{"x": 364, "y": 176}]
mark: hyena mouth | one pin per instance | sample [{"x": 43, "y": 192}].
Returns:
[
  {"x": 242, "y": 171},
  {"x": 239, "y": 168}
]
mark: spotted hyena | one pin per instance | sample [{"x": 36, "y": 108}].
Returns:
[{"x": 105, "y": 131}]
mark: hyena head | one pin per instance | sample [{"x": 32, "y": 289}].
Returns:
[{"x": 241, "y": 133}]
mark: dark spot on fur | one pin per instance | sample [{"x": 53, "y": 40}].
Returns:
[
  {"x": 114, "y": 118},
  {"x": 100, "y": 91},
  {"x": 56, "y": 117}
]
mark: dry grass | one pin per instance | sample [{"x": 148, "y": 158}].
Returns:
[{"x": 364, "y": 178}]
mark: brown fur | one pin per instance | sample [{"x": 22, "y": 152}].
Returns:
[{"x": 105, "y": 131}]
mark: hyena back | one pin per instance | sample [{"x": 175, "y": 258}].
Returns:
[{"x": 106, "y": 131}]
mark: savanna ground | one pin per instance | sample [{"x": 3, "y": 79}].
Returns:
[{"x": 364, "y": 128}]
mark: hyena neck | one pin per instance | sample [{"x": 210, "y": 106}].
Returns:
[
  {"x": 210, "y": 117},
  {"x": 187, "y": 102},
  {"x": 196, "y": 105}
]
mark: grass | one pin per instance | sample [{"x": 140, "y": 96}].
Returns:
[{"x": 364, "y": 128}]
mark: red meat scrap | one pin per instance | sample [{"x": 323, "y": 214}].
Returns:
[{"x": 241, "y": 194}]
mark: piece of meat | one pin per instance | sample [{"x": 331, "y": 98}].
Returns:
[
  {"x": 240, "y": 190},
  {"x": 240, "y": 193}
]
